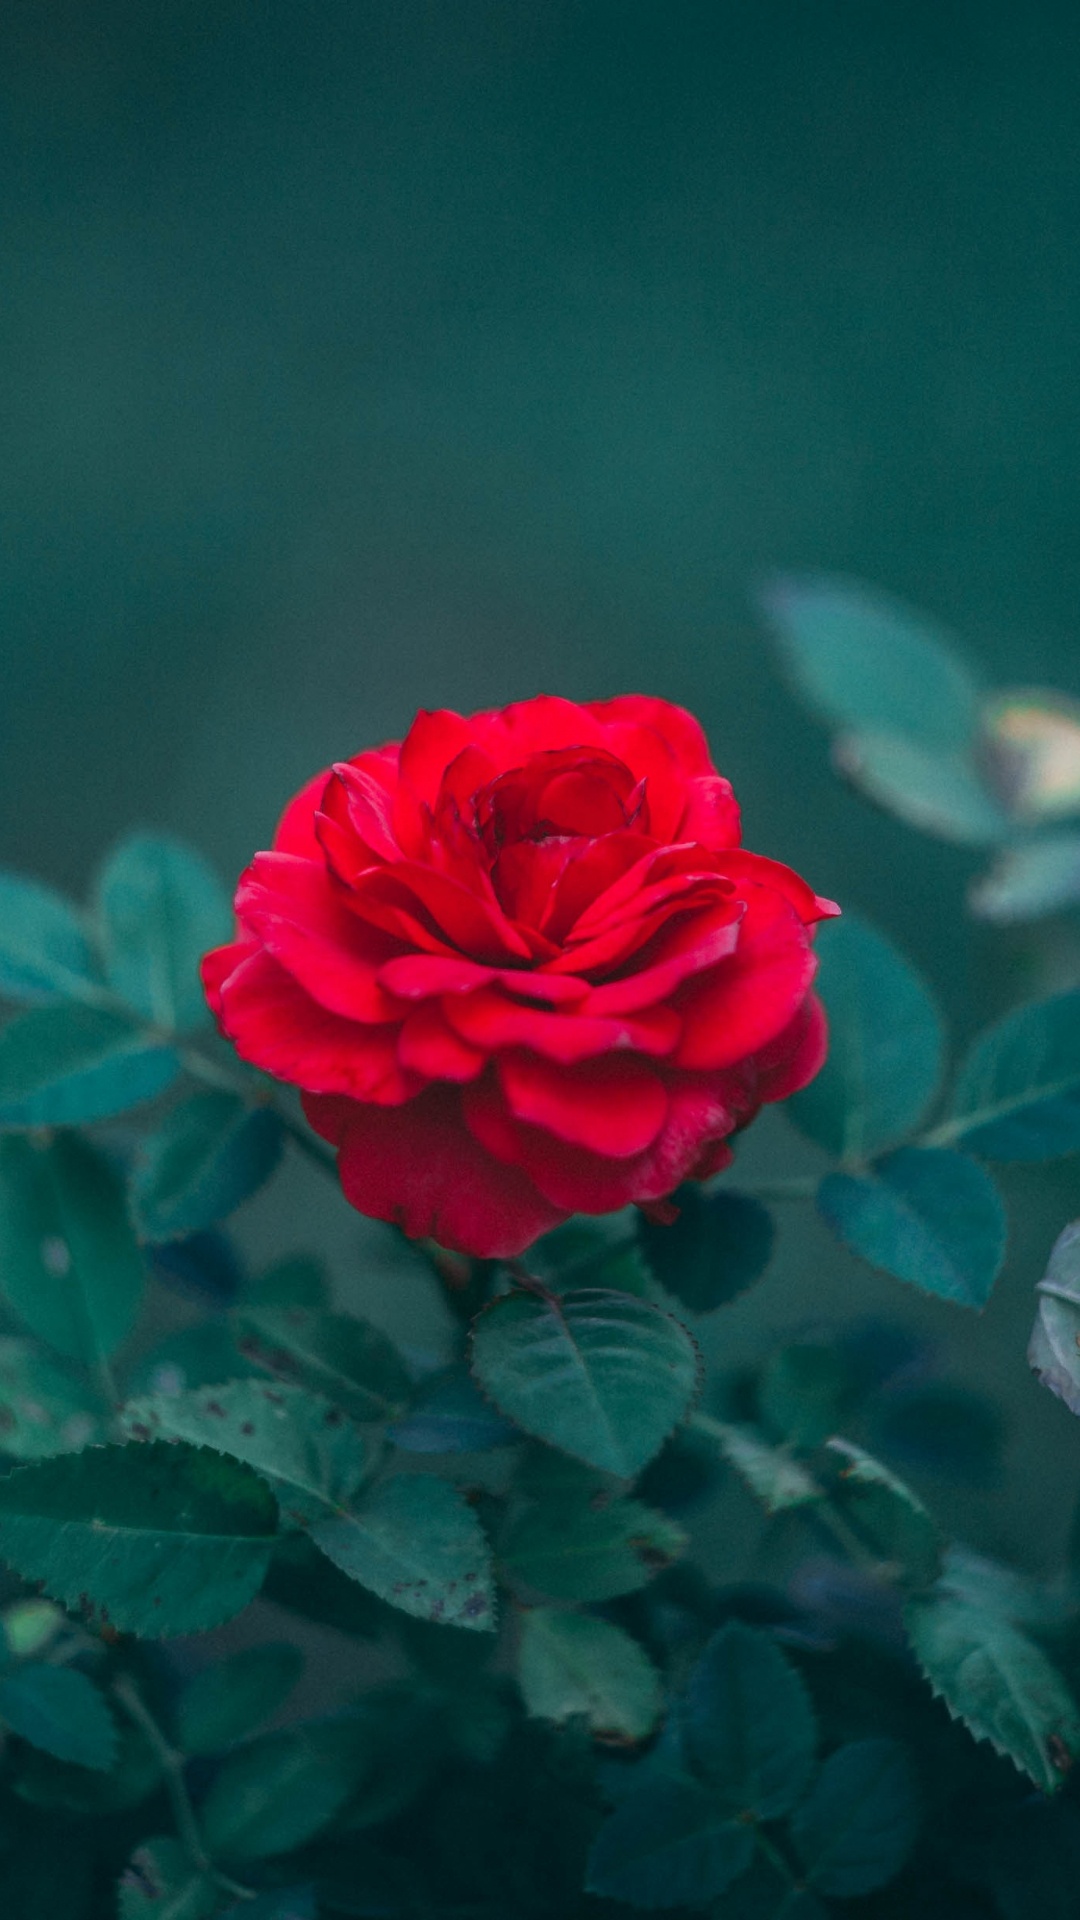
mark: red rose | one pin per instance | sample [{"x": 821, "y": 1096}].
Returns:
[{"x": 521, "y": 969}]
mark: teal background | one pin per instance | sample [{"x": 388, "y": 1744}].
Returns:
[{"x": 382, "y": 353}]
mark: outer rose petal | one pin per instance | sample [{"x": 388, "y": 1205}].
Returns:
[
  {"x": 296, "y": 828},
  {"x": 275, "y": 1025},
  {"x": 217, "y": 965},
  {"x": 298, "y": 916},
  {"x": 732, "y": 1012},
  {"x": 615, "y": 1105},
  {"x": 419, "y": 1167},
  {"x": 674, "y": 724}
]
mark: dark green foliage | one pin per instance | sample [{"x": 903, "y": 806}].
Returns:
[
  {"x": 719, "y": 1245},
  {"x": 926, "y": 1215},
  {"x": 211, "y": 1154}
]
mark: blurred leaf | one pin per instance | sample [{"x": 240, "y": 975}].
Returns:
[
  {"x": 771, "y": 1474},
  {"x": 925, "y": 1214},
  {"x": 69, "y": 1265},
  {"x": 202, "y": 1355},
  {"x": 748, "y": 1724},
  {"x": 161, "y": 907},
  {"x": 42, "y": 1410},
  {"x": 281, "y": 1903},
  {"x": 298, "y": 1281},
  {"x": 768, "y": 1892},
  {"x": 64, "y": 1066},
  {"x": 282, "y": 1789},
  {"x": 865, "y": 661},
  {"x": 59, "y": 1786},
  {"x": 209, "y": 1155},
  {"x": 313, "y": 1457},
  {"x": 933, "y": 789},
  {"x": 156, "y": 1539},
  {"x": 1031, "y": 747},
  {"x": 603, "y": 1376},
  {"x": 1018, "y": 1094},
  {"x": 160, "y": 1883},
  {"x": 668, "y": 1845},
  {"x": 886, "y": 1045},
  {"x": 416, "y": 1543},
  {"x": 450, "y": 1415},
  {"x": 804, "y": 1392},
  {"x": 61, "y": 1711},
  {"x": 579, "y": 1550},
  {"x": 302, "y": 1580},
  {"x": 352, "y": 1362},
  {"x": 858, "y": 1824},
  {"x": 44, "y": 951},
  {"x": 572, "y": 1666},
  {"x": 202, "y": 1267},
  {"x": 1039, "y": 877},
  {"x": 999, "y": 1683},
  {"x": 887, "y": 1513},
  {"x": 589, "y": 1253},
  {"x": 943, "y": 1429},
  {"x": 719, "y": 1245},
  {"x": 227, "y": 1700},
  {"x": 29, "y": 1626},
  {"x": 1054, "y": 1352}
]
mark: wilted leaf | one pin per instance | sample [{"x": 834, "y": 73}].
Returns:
[
  {"x": 1031, "y": 748},
  {"x": 858, "y": 1824},
  {"x": 1054, "y": 1352},
  {"x": 927, "y": 1215},
  {"x": 61, "y": 1711},
  {"x": 161, "y": 907},
  {"x": 999, "y": 1683},
  {"x": 155, "y": 1539},
  {"x": 67, "y": 1065},
  {"x": 748, "y": 1724},
  {"x": 668, "y": 1845},
  {"x": 603, "y": 1376},
  {"x": 210, "y": 1154},
  {"x": 572, "y": 1666},
  {"x": 69, "y": 1265},
  {"x": 886, "y": 1045}
]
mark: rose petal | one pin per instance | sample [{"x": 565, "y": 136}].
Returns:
[
  {"x": 296, "y": 829},
  {"x": 735, "y": 1009},
  {"x": 614, "y": 1105},
  {"x": 428, "y": 1045},
  {"x": 489, "y": 1020},
  {"x": 275, "y": 1025},
  {"x": 293, "y": 908}
]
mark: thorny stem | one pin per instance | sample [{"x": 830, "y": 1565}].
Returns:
[{"x": 172, "y": 1766}]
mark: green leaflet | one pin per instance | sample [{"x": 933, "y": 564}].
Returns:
[
  {"x": 719, "y": 1245},
  {"x": 748, "y": 1724},
  {"x": 571, "y": 1665},
  {"x": 228, "y": 1699},
  {"x": 154, "y": 1539},
  {"x": 280, "y": 1790},
  {"x": 926, "y": 1215},
  {"x": 44, "y": 951},
  {"x": 603, "y": 1376},
  {"x": 668, "y": 1845},
  {"x": 886, "y": 1045},
  {"x": 337, "y": 1354},
  {"x": 61, "y": 1711},
  {"x": 1017, "y": 1096},
  {"x": 416, "y": 1543},
  {"x": 69, "y": 1264},
  {"x": 66, "y": 1065},
  {"x": 858, "y": 1823},
  {"x": 580, "y": 1550},
  {"x": 887, "y": 1514},
  {"x": 160, "y": 908},
  {"x": 43, "y": 1410},
  {"x": 210, "y": 1154},
  {"x": 160, "y": 1883}
]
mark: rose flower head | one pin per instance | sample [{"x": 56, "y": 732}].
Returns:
[{"x": 520, "y": 968}]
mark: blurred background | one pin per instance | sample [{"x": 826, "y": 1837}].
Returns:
[{"x": 382, "y": 353}]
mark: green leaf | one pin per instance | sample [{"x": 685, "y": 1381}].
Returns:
[
  {"x": 886, "y": 1045},
  {"x": 926, "y": 1215},
  {"x": 804, "y": 1392},
  {"x": 865, "y": 661},
  {"x": 416, "y": 1543},
  {"x": 1038, "y": 877},
  {"x": 42, "y": 1410},
  {"x": 1018, "y": 1094},
  {"x": 69, "y": 1264},
  {"x": 858, "y": 1824},
  {"x": 573, "y": 1666},
  {"x": 156, "y": 1539},
  {"x": 297, "y": 1281},
  {"x": 887, "y": 1514},
  {"x": 44, "y": 952},
  {"x": 200, "y": 1355},
  {"x": 1054, "y": 1352},
  {"x": 589, "y": 1253},
  {"x": 313, "y": 1457},
  {"x": 768, "y": 1893},
  {"x": 450, "y": 1415},
  {"x": 579, "y": 1550},
  {"x": 748, "y": 1724},
  {"x": 771, "y": 1474},
  {"x": 161, "y": 907},
  {"x": 61, "y": 1711},
  {"x": 999, "y": 1683},
  {"x": 346, "y": 1358},
  {"x": 719, "y": 1245},
  {"x": 160, "y": 1883},
  {"x": 231, "y": 1697},
  {"x": 209, "y": 1155},
  {"x": 282, "y": 1789},
  {"x": 30, "y": 1626},
  {"x": 302, "y": 1580},
  {"x": 65, "y": 1066},
  {"x": 667, "y": 1845},
  {"x": 932, "y": 789},
  {"x": 603, "y": 1376}
]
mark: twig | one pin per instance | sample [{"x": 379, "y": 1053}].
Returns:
[{"x": 172, "y": 1766}]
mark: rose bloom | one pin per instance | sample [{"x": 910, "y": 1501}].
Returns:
[{"x": 521, "y": 968}]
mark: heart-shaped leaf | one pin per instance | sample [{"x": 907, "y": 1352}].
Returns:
[{"x": 927, "y": 1215}]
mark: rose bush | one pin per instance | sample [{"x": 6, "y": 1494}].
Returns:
[{"x": 520, "y": 967}]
